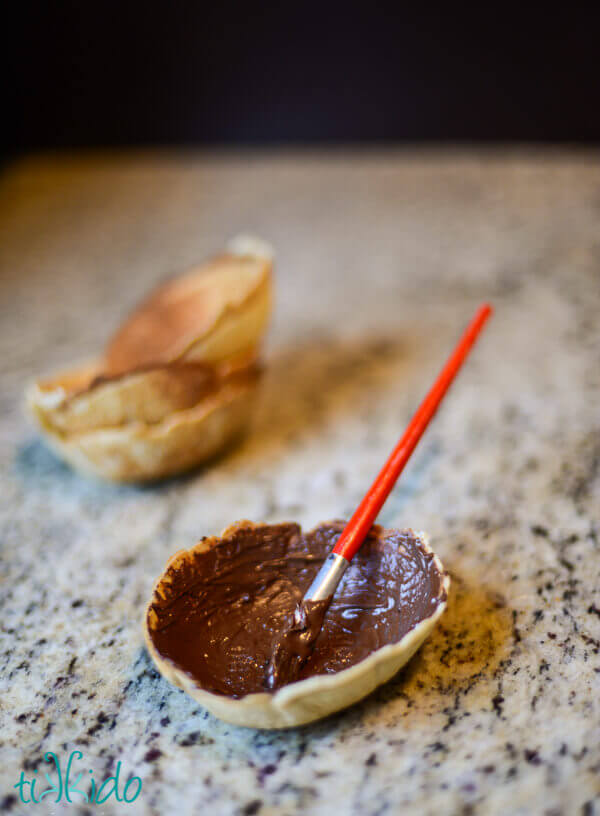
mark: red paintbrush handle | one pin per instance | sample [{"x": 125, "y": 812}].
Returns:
[{"x": 365, "y": 514}]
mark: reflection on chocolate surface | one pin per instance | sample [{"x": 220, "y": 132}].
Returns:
[{"x": 217, "y": 612}]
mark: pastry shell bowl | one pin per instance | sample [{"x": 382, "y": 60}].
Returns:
[
  {"x": 84, "y": 399},
  {"x": 305, "y": 700},
  {"x": 176, "y": 383},
  {"x": 216, "y": 311},
  {"x": 141, "y": 452}
]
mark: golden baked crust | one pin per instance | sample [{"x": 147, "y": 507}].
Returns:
[
  {"x": 85, "y": 399},
  {"x": 216, "y": 310},
  {"x": 178, "y": 379},
  {"x": 137, "y": 452}
]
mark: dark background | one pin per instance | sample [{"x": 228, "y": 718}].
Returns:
[{"x": 90, "y": 74}]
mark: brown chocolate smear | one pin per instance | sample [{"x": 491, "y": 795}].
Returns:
[
  {"x": 217, "y": 613},
  {"x": 294, "y": 644}
]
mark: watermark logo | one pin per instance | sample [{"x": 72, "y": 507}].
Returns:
[{"x": 65, "y": 786}]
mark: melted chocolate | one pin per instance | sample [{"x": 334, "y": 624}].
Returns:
[
  {"x": 217, "y": 613},
  {"x": 293, "y": 646}
]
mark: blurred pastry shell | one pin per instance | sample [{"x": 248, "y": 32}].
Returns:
[
  {"x": 85, "y": 399},
  {"x": 177, "y": 381},
  {"x": 305, "y": 700},
  {"x": 215, "y": 311},
  {"x": 141, "y": 452}
]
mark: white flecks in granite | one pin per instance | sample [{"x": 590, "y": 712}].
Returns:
[{"x": 381, "y": 260}]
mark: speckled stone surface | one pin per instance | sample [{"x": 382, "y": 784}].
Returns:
[{"x": 381, "y": 260}]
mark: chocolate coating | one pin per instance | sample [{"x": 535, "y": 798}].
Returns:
[
  {"x": 217, "y": 613},
  {"x": 292, "y": 647}
]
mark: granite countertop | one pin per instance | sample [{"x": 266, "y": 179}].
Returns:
[{"x": 381, "y": 260}]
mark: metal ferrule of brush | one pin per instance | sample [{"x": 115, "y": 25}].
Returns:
[{"x": 327, "y": 579}]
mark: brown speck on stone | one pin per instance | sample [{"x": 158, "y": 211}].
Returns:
[
  {"x": 538, "y": 530},
  {"x": 593, "y": 610}
]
